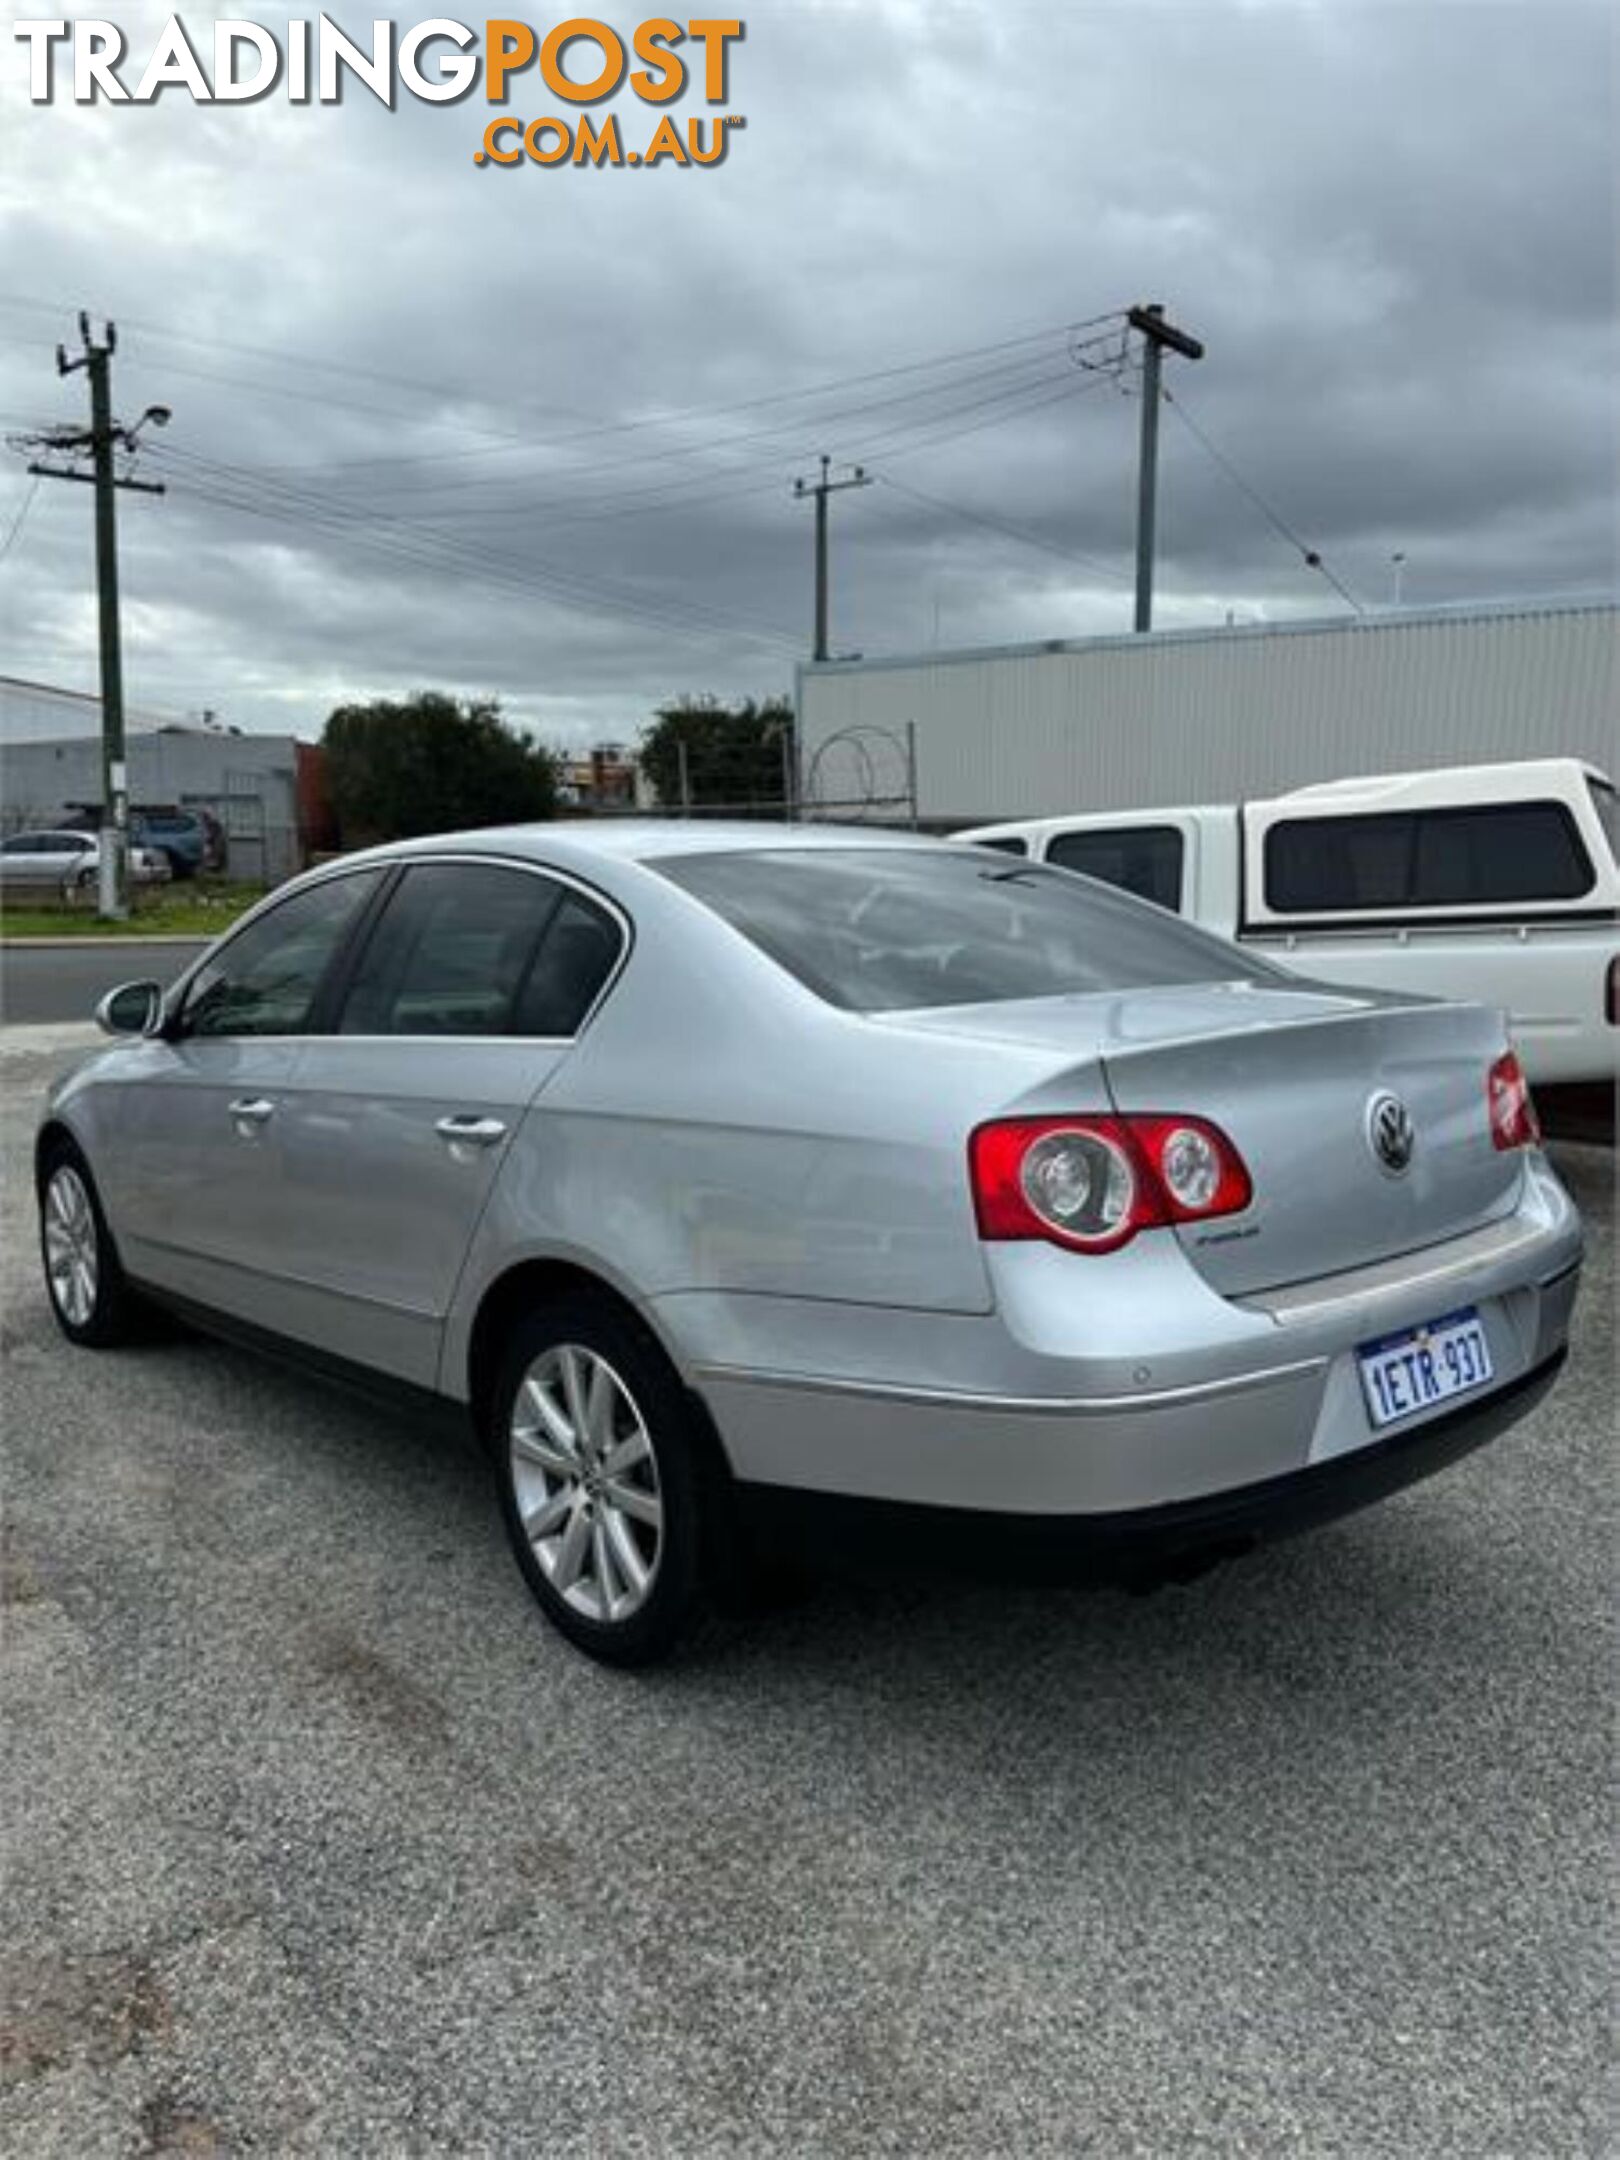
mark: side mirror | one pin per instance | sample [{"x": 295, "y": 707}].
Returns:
[{"x": 134, "y": 1008}]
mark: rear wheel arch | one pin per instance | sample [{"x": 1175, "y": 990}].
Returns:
[{"x": 517, "y": 1292}]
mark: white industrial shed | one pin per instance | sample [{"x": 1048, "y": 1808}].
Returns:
[{"x": 1218, "y": 715}]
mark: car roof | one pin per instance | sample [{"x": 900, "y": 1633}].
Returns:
[{"x": 583, "y": 841}]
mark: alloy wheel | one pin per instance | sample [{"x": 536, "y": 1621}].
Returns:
[
  {"x": 72, "y": 1246},
  {"x": 585, "y": 1480}
]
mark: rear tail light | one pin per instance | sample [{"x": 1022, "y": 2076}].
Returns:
[
  {"x": 1514, "y": 1123},
  {"x": 1199, "y": 1169},
  {"x": 1092, "y": 1182}
]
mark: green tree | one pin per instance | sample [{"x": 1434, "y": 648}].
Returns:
[
  {"x": 734, "y": 753},
  {"x": 432, "y": 763}
]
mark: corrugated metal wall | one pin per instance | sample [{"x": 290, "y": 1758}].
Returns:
[{"x": 1195, "y": 716}]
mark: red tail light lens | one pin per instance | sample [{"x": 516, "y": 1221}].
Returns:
[
  {"x": 1514, "y": 1123},
  {"x": 1092, "y": 1182},
  {"x": 1200, "y": 1171}
]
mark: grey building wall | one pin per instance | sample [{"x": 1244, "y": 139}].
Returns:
[
  {"x": 40, "y": 712},
  {"x": 1191, "y": 716},
  {"x": 247, "y": 781}
]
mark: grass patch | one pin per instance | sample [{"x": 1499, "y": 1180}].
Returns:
[{"x": 197, "y": 908}]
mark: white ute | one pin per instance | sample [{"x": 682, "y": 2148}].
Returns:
[{"x": 1493, "y": 882}]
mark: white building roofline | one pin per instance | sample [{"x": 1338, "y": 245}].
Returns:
[{"x": 1403, "y": 618}]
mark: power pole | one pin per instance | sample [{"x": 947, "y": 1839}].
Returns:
[
  {"x": 101, "y": 438},
  {"x": 1156, "y": 335},
  {"x": 856, "y": 477}
]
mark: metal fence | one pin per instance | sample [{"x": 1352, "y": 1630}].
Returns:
[{"x": 860, "y": 775}]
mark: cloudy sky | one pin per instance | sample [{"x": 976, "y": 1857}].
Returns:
[{"x": 532, "y": 432}]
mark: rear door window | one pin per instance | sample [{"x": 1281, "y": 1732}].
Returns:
[
  {"x": 579, "y": 952},
  {"x": 1497, "y": 855},
  {"x": 1141, "y": 859},
  {"x": 470, "y": 949},
  {"x": 450, "y": 952}
]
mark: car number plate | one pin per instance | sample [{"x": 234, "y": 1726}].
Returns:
[{"x": 1403, "y": 1374}]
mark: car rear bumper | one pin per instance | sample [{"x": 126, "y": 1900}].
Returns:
[
  {"x": 1176, "y": 1539},
  {"x": 1149, "y": 1391}
]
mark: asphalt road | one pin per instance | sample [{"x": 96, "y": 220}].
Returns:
[
  {"x": 317, "y": 1842},
  {"x": 62, "y": 981}
]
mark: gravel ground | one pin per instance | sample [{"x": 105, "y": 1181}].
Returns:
[{"x": 317, "y": 1842}]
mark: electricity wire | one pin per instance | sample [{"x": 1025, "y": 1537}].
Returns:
[
  {"x": 17, "y": 522},
  {"x": 1312, "y": 557},
  {"x": 1000, "y": 525}
]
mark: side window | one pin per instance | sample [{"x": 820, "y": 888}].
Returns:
[
  {"x": 1497, "y": 854},
  {"x": 451, "y": 952},
  {"x": 1141, "y": 859},
  {"x": 1009, "y": 844},
  {"x": 263, "y": 981},
  {"x": 581, "y": 949},
  {"x": 1607, "y": 806}
]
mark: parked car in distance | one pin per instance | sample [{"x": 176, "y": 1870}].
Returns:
[
  {"x": 180, "y": 835},
  {"x": 63, "y": 864},
  {"x": 1496, "y": 882},
  {"x": 190, "y": 841},
  {"x": 743, "y": 1181}
]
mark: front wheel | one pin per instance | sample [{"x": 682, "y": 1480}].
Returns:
[
  {"x": 93, "y": 1304},
  {"x": 601, "y": 1479}
]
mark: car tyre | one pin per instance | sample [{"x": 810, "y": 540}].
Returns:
[
  {"x": 84, "y": 1279},
  {"x": 605, "y": 1484}
]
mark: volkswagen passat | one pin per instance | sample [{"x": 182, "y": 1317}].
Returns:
[{"x": 735, "y": 1175}]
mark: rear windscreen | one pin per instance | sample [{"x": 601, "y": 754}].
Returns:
[{"x": 886, "y": 930}]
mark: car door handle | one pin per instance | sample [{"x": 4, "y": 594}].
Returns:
[
  {"x": 252, "y": 1109},
  {"x": 471, "y": 1131}
]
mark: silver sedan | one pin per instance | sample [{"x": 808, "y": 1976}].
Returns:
[
  {"x": 753, "y": 1187},
  {"x": 66, "y": 864}
]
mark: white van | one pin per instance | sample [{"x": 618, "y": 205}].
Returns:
[{"x": 1496, "y": 882}]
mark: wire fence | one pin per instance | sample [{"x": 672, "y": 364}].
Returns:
[
  {"x": 862, "y": 775},
  {"x": 853, "y": 810}
]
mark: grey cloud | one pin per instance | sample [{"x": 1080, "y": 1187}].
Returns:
[{"x": 1393, "y": 226}]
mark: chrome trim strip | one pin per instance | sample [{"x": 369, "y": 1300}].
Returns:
[
  {"x": 1409, "y": 927},
  {"x": 1020, "y": 1405},
  {"x": 1488, "y": 1247}
]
